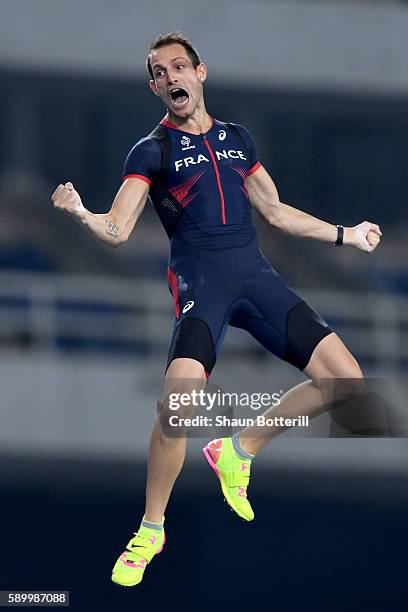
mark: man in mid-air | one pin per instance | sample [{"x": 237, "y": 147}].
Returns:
[{"x": 203, "y": 177}]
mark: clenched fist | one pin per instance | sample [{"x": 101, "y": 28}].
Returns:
[
  {"x": 366, "y": 236},
  {"x": 67, "y": 199}
]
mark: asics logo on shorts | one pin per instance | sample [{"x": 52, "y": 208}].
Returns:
[{"x": 188, "y": 306}]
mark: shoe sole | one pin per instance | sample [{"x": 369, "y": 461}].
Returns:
[{"x": 211, "y": 463}]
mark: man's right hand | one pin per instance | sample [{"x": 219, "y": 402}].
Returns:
[
  {"x": 113, "y": 227},
  {"x": 68, "y": 200}
]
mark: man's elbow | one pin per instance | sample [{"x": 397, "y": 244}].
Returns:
[
  {"x": 269, "y": 209},
  {"x": 269, "y": 219},
  {"x": 124, "y": 234},
  {"x": 118, "y": 241},
  {"x": 274, "y": 213},
  {"x": 270, "y": 216}
]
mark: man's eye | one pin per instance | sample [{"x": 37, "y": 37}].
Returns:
[
  {"x": 159, "y": 73},
  {"x": 180, "y": 66}
]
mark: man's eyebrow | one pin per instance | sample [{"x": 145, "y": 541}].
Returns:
[{"x": 172, "y": 60}]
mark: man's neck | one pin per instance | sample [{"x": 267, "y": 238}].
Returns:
[{"x": 199, "y": 123}]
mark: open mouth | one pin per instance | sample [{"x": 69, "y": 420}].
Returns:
[{"x": 179, "y": 97}]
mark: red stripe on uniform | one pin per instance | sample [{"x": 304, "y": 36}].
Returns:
[
  {"x": 217, "y": 174},
  {"x": 253, "y": 169},
  {"x": 139, "y": 176},
  {"x": 172, "y": 280},
  {"x": 167, "y": 123}
]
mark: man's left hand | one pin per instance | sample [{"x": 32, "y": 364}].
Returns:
[{"x": 365, "y": 236}]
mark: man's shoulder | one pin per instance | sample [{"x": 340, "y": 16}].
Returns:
[
  {"x": 160, "y": 132},
  {"x": 229, "y": 124},
  {"x": 149, "y": 143},
  {"x": 238, "y": 129}
]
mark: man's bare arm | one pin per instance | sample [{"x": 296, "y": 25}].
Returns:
[
  {"x": 113, "y": 227},
  {"x": 264, "y": 197}
]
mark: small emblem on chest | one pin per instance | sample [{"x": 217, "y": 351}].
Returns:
[{"x": 185, "y": 143}]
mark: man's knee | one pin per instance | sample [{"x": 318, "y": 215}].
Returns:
[
  {"x": 350, "y": 386},
  {"x": 184, "y": 379},
  {"x": 345, "y": 382},
  {"x": 351, "y": 377},
  {"x": 182, "y": 368},
  {"x": 180, "y": 404}
]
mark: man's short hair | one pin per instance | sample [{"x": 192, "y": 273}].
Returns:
[{"x": 171, "y": 39}]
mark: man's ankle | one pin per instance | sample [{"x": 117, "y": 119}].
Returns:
[
  {"x": 240, "y": 448},
  {"x": 149, "y": 523}
]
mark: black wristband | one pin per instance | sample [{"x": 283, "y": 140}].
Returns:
[{"x": 340, "y": 236}]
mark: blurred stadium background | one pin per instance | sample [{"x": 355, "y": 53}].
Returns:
[{"x": 323, "y": 86}]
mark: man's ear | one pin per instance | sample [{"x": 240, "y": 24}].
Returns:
[
  {"x": 153, "y": 87},
  {"x": 202, "y": 72}
]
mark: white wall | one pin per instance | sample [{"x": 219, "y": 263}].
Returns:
[{"x": 336, "y": 45}]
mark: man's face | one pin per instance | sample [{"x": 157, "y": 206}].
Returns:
[{"x": 176, "y": 81}]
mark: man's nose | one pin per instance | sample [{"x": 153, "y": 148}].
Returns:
[{"x": 172, "y": 77}]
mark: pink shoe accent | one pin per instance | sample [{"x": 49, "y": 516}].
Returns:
[
  {"x": 244, "y": 467},
  {"x": 207, "y": 454},
  {"x": 214, "y": 449},
  {"x": 242, "y": 492},
  {"x": 141, "y": 564},
  {"x": 162, "y": 546}
]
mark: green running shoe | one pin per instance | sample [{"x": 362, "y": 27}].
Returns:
[
  {"x": 233, "y": 472},
  {"x": 129, "y": 568}
]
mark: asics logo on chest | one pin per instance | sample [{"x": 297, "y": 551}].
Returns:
[{"x": 224, "y": 154}]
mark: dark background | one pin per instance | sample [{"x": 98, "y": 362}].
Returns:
[{"x": 333, "y": 542}]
